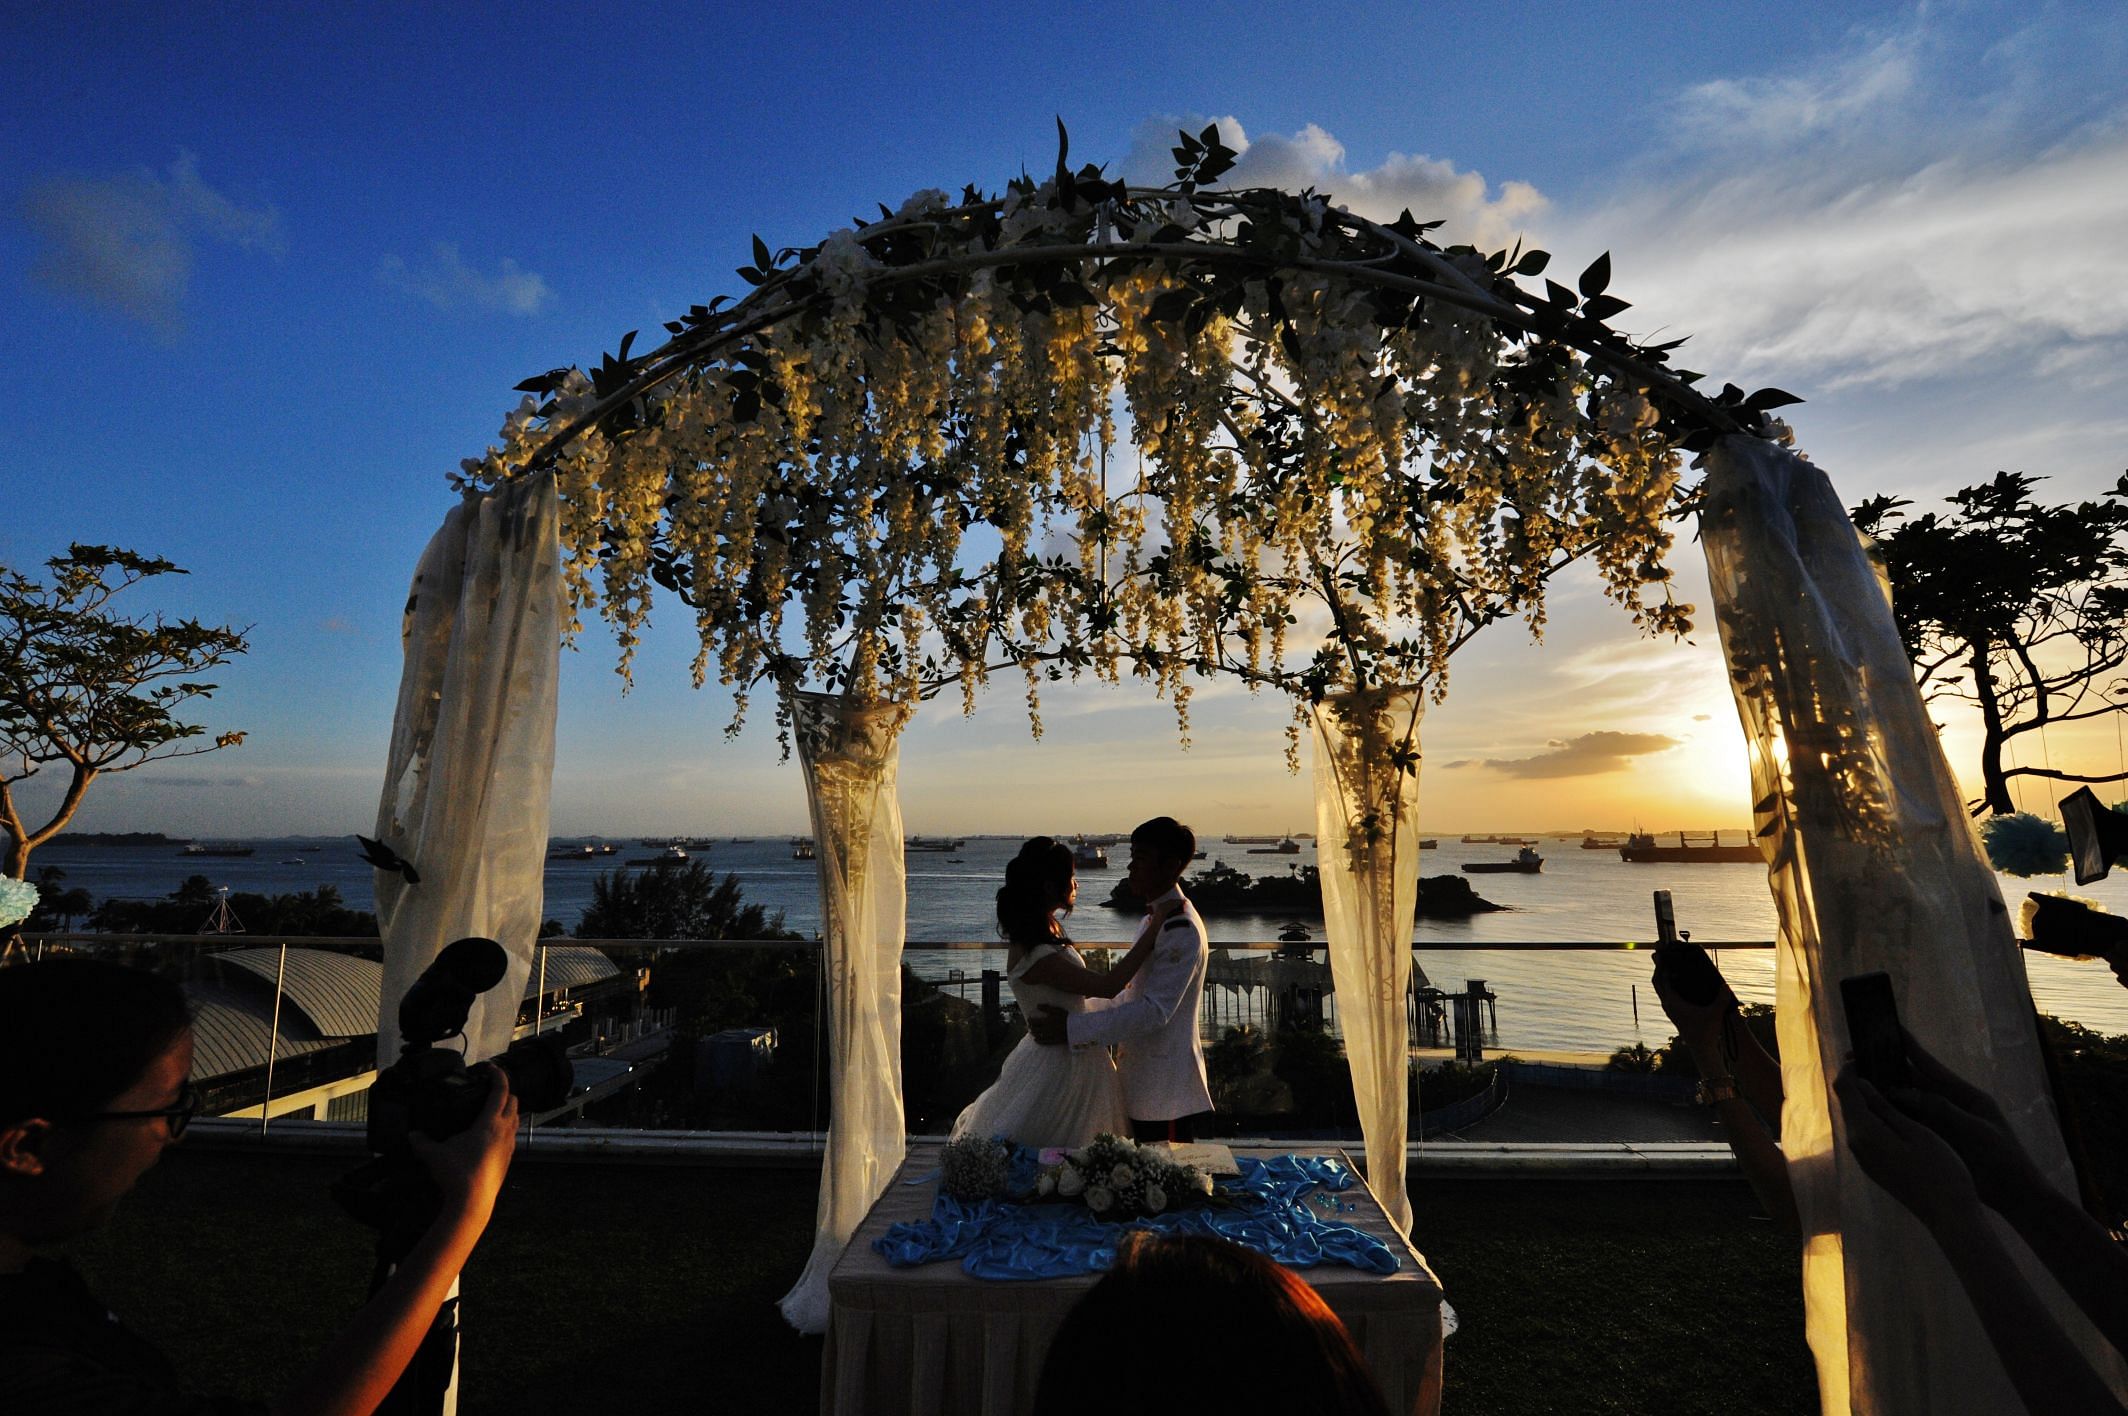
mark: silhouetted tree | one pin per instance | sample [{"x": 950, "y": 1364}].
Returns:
[
  {"x": 93, "y": 691},
  {"x": 674, "y": 902},
  {"x": 2014, "y": 607},
  {"x": 312, "y": 913},
  {"x": 56, "y": 905}
]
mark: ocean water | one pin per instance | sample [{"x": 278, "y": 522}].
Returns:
[{"x": 1565, "y": 999}]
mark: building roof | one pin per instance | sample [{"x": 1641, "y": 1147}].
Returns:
[
  {"x": 230, "y": 1028},
  {"x": 336, "y": 993},
  {"x": 570, "y": 966}
]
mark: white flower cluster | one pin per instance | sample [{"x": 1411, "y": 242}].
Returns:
[
  {"x": 1118, "y": 1179},
  {"x": 974, "y": 1167},
  {"x": 17, "y": 899}
]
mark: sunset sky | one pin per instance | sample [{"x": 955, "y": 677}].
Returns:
[{"x": 270, "y": 272}]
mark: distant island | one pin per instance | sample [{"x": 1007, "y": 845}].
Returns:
[
  {"x": 139, "y": 839},
  {"x": 1223, "y": 890}
]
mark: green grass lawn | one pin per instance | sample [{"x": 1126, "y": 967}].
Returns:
[
  {"x": 645, "y": 1288},
  {"x": 1615, "y": 1296}
]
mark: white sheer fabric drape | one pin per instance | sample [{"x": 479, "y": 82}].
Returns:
[
  {"x": 850, "y": 754},
  {"x": 1367, "y": 853},
  {"x": 1873, "y": 865},
  {"x": 472, "y": 750}
]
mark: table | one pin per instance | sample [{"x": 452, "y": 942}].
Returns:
[{"x": 932, "y": 1339}]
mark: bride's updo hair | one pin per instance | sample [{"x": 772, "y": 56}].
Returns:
[{"x": 1036, "y": 881}]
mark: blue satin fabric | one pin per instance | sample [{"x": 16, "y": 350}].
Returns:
[{"x": 1267, "y": 1210}]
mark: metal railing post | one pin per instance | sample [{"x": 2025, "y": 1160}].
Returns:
[
  {"x": 273, "y": 1036},
  {"x": 539, "y": 1022}
]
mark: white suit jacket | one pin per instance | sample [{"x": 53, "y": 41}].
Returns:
[{"x": 1161, "y": 1063}]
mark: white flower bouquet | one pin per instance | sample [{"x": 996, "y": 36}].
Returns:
[
  {"x": 1118, "y": 1180},
  {"x": 975, "y": 1167}
]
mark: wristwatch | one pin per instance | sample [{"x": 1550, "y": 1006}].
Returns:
[{"x": 1715, "y": 1090}]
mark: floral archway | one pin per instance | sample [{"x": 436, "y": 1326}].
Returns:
[{"x": 1081, "y": 427}]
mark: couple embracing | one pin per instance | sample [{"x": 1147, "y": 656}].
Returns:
[{"x": 1061, "y": 1086}]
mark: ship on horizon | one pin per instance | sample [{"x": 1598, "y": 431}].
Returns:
[{"x": 1646, "y": 848}]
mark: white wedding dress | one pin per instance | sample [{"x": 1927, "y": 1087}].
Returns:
[{"x": 1056, "y": 1095}]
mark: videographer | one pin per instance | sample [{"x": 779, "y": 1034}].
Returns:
[{"x": 94, "y": 1060}]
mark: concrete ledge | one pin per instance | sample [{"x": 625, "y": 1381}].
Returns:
[
  {"x": 1544, "y": 1074},
  {"x": 1601, "y": 1160}
]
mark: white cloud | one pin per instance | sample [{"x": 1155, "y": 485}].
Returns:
[
  {"x": 447, "y": 281},
  {"x": 1815, "y": 100},
  {"x": 1432, "y": 188},
  {"x": 1936, "y": 200},
  {"x": 1852, "y": 280},
  {"x": 129, "y": 240}
]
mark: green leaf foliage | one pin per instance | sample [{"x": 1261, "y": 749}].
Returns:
[
  {"x": 2013, "y": 606},
  {"x": 86, "y": 690}
]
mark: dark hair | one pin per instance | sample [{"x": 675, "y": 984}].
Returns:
[
  {"x": 1168, "y": 839},
  {"x": 76, "y": 1032},
  {"x": 1237, "y": 1333},
  {"x": 1035, "y": 880}
]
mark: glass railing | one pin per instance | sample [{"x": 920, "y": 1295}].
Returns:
[{"x": 1509, "y": 1041}]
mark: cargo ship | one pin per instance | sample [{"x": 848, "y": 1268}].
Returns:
[
  {"x": 1645, "y": 848},
  {"x": 1526, "y": 862}
]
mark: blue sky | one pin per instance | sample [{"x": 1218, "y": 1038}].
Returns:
[{"x": 269, "y": 272}]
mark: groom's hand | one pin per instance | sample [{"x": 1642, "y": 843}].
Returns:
[{"x": 1046, "y": 1025}]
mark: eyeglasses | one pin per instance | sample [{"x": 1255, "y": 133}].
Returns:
[{"x": 179, "y": 1116}]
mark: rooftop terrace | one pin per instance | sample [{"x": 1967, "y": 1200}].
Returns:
[{"x": 636, "y": 1287}]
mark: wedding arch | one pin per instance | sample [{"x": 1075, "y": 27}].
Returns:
[{"x": 1082, "y": 427}]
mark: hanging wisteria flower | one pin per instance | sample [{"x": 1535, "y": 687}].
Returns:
[{"x": 1320, "y": 409}]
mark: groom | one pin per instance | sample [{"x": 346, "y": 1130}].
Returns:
[{"x": 1161, "y": 1062}]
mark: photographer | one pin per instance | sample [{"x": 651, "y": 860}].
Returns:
[
  {"x": 93, "y": 1066},
  {"x": 1943, "y": 1149},
  {"x": 1737, "y": 1078}
]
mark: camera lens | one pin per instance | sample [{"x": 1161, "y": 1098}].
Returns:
[{"x": 539, "y": 1070}]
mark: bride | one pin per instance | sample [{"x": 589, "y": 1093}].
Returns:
[{"x": 1053, "y": 1096}]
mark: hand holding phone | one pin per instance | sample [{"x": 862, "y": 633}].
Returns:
[
  {"x": 1873, "y": 1031},
  {"x": 1685, "y": 968}
]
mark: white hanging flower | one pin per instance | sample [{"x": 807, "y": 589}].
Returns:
[
  {"x": 1070, "y": 1182},
  {"x": 1100, "y": 1199}
]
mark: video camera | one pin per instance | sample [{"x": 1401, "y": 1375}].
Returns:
[{"x": 430, "y": 1090}]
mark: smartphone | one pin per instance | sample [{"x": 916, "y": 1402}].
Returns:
[
  {"x": 1873, "y": 1030},
  {"x": 1685, "y": 967}
]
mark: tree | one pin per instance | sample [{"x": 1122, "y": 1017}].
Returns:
[
  {"x": 675, "y": 902},
  {"x": 713, "y": 989},
  {"x": 2014, "y": 607},
  {"x": 91, "y": 690},
  {"x": 319, "y": 913},
  {"x": 56, "y": 904}
]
